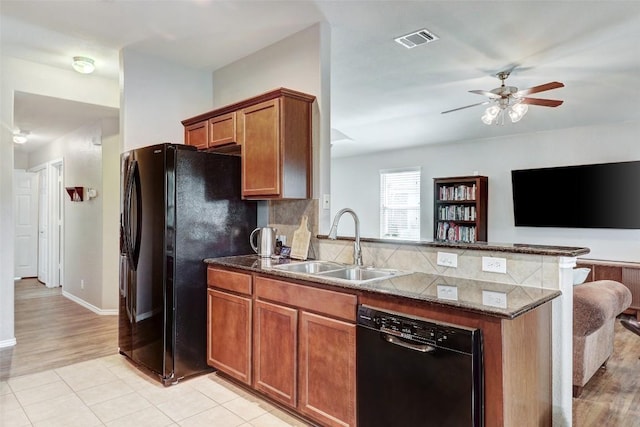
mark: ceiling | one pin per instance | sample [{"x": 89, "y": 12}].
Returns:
[{"x": 383, "y": 96}]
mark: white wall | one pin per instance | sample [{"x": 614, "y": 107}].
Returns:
[
  {"x": 300, "y": 62},
  {"x": 110, "y": 196},
  {"x": 156, "y": 95},
  {"x": 496, "y": 158},
  {"x": 82, "y": 220},
  {"x": 25, "y": 76}
]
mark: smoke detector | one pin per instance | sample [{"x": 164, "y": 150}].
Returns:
[{"x": 416, "y": 38}]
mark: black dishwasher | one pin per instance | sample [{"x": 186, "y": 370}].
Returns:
[{"x": 416, "y": 372}]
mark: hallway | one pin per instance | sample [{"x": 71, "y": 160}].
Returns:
[{"x": 52, "y": 331}]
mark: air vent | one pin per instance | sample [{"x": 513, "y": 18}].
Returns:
[{"x": 417, "y": 38}]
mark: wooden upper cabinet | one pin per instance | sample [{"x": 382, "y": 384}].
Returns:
[
  {"x": 272, "y": 134},
  {"x": 222, "y": 130},
  {"x": 197, "y": 135},
  {"x": 261, "y": 149}
]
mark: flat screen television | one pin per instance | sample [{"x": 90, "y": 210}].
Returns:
[{"x": 604, "y": 195}]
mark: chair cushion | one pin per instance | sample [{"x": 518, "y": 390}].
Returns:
[{"x": 596, "y": 302}]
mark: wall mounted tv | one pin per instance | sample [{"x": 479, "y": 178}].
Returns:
[{"x": 605, "y": 195}]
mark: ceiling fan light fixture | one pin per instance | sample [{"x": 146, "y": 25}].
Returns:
[
  {"x": 517, "y": 112},
  {"x": 83, "y": 64},
  {"x": 490, "y": 114}
]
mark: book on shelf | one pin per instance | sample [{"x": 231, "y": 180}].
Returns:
[
  {"x": 457, "y": 213},
  {"x": 457, "y": 192},
  {"x": 450, "y": 231}
]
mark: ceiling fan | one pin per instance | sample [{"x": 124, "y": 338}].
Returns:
[{"x": 508, "y": 100}]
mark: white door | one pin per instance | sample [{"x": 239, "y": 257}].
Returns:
[
  {"x": 43, "y": 221},
  {"x": 26, "y": 223},
  {"x": 56, "y": 225}
]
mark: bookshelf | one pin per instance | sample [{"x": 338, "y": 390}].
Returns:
[{"x": 460, "y": 209}]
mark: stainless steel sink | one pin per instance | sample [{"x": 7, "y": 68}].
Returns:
[
  {"x": 340, "y": 272},
  {"x": 360, "y": 274},
  {"x": 310, "y": 267}
]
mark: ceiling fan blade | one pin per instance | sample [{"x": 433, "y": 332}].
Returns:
[
  {"x": 486, "y": 93},
  {"x": 540, "y": 88},
  {"x": 542, "y": 102},
  {"x": 467, "y": 106}
]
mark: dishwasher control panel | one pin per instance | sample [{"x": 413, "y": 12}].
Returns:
[{"x": 423, "y": 331}]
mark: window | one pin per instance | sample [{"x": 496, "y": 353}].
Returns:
[{"x": 400, "y": 204}]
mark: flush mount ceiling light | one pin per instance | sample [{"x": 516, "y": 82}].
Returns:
[
  {"x": 83, "y": 64},
  {"x": 20, "y": 137}
]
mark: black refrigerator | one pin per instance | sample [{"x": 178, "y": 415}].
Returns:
[{"x": 178, "y": 207}]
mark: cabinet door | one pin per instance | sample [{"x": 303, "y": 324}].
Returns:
[
  {"x": 261, "y": 168},
  {"x": 197, "y": 135},
  {"x": 327, "y": 370},
  {"x": 275, "y": 355},
  {"x": 229, "y": 334},
  {"x": 222, "y": 130}
]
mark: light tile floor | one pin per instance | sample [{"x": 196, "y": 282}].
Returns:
[{"x": 110, "y": 391}]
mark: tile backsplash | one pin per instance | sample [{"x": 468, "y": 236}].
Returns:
[{"x": 522, "y": 269}]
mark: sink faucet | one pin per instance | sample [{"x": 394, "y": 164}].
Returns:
[{"x": 333, "y": 233}]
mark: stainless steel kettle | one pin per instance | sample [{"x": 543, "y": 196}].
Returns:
[{"x": 266, "y": 241}]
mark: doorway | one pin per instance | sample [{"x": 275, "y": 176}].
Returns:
[{"x": 50, "y": 251}]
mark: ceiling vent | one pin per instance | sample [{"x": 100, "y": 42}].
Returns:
[{"x": 417, "y": 38}]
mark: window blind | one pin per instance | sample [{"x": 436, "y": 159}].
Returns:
[{"x": 400, "y": 204}]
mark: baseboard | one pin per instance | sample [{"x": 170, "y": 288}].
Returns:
[
  {"x": 8, "y": 343},
  {"x": 110, "y": 312}
]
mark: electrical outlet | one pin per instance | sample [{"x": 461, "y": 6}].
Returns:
[
  {"x": 81, "y": 283},
  {"x": 447, "y": 259},
  {"x": 448, "y": 292},
  {"x": 494, "y": 299},
  {"x": 494, "y": 265},
  {"x": 326, "y": 201}
]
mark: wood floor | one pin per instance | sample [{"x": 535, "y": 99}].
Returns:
[
  {"x": 612, "y": 396},
  {"x": 53, "y": 331}
]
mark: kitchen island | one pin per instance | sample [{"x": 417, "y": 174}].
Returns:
[{"x": 517, "y": 326}]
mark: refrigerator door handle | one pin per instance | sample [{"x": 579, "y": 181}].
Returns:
[
  {"x": 126, "y": 214},
  {"x": 128, "y": 192},
  {"x": 124, "y": 269}
]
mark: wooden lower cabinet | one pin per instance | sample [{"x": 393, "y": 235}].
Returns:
[
  {"x": 327, "y": 366},
  {"x": 309, "y": 333},
  {"x": 229, "y": 334},
  {"x": 293, "y": 343},
  {"x": 275, "y": 338}
]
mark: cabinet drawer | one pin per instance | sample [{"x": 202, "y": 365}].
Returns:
[
  {"x": 331, "y": 303},
  {"x": 229, "y": 280}
]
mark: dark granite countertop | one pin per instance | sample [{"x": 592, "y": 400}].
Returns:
[
  {"x": 518, "y": 248},
  {"x": 470, "y": 295}
]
